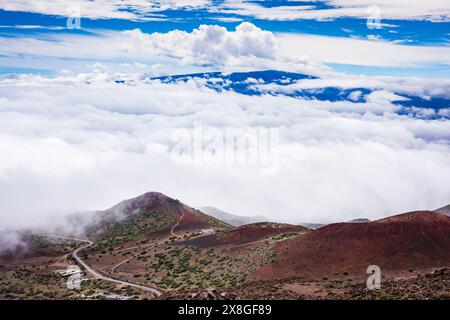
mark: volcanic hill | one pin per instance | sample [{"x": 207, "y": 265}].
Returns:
[
  {"x": 407, "y": 242},
  {"x": 152, "y": 214}
]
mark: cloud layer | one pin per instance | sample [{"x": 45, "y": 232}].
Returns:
[{"x": 82, "y": 141}]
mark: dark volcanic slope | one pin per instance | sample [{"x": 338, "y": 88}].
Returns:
[{"x": 416, "y": 240}]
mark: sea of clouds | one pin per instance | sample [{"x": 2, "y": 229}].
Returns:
[
  {"x": 83, "y": 141},
  {"x": 78, "y": 141}
]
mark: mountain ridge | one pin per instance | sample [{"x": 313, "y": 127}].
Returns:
[{"x": 444, "y": 210}]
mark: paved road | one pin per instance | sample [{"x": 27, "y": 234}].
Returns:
[{"x": 94, "y": 273}]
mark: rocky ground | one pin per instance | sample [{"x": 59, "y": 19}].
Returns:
[{"x": 431, "y": 286}]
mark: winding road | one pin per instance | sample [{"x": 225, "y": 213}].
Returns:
[{"x": 96, "y": 274}]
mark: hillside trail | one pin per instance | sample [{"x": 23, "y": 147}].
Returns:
[
  {"x": 172, "y": 231},
  {"x": 121, "y": 263}
]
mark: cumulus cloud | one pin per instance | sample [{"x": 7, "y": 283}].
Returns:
[
  {"x": 213, "y": 45},
  {"x": 69, "y": 145}
]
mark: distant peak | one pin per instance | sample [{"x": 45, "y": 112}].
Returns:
[{"x": 444, "y": 210}]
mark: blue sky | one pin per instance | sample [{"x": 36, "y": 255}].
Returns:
[{"x": 401, "y": 26}]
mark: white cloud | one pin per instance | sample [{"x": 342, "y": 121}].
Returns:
[
  {"x": 213, "y": 45},
  {"x": 32, "y": 27},
  {"x": 434, "y": 10},
  {"x": 69, "y": 144},
  {"x": 352, "y": 51},
  {"x": 102, "y": 9},
  {"x": 424, "y": 88}
]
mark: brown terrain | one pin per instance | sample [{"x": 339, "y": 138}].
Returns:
[{"x": 154, "y": 241}]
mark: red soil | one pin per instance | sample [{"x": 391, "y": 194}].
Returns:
[
  {"x": 193, "y": 221},
  {"x": 415, "y": 240},
  {"x": 187, "y": 220}
]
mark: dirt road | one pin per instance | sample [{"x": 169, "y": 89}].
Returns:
[{"x": 96, "y": 274}]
